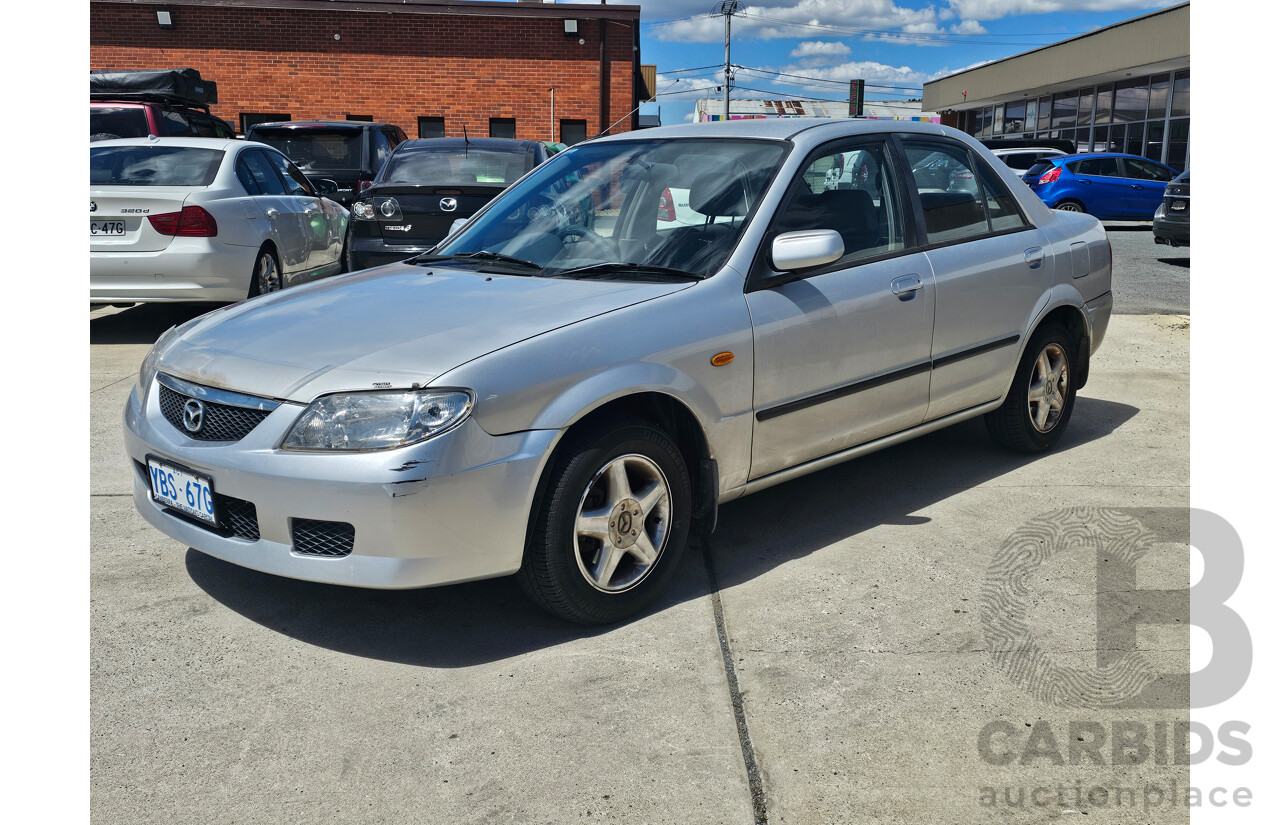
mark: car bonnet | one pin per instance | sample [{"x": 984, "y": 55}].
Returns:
[{"x": 391, "y": 327}]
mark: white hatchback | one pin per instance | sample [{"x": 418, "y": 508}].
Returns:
[{"x": 200, "y": 219}]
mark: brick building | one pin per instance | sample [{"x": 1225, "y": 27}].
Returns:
[{"x": 429, "y": 66}]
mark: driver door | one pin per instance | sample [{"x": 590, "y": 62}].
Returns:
[{"x": 842, "y": 352}]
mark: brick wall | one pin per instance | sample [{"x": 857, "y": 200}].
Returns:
[{"x": 393, "y": 66}]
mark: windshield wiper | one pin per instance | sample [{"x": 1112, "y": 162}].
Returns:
[
  {"x": 482, "y": 255},
  {"x": 617, "y": 268}
]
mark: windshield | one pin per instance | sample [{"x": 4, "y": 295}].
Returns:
[
  {"x": 315, "y": 149},
  {"x": 659, "y": 207},
  {"x": 153, "y": 165},
  {"x": 455, "y": 167},
  {"x": 118, "y": 121}
]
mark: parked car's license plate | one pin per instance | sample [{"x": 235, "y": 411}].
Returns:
[
  {"x": 106, "y": 227},
  {"x": 1179, "y": 206},
  {"x": 183, "y": 490}
]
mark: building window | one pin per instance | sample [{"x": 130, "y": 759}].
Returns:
[
  {"x": 1085, "y": 117},
  {"x": 502, "y": 127},
  {"x": 361, "y": 118},
  {"x": 1014, "y": 117},
  {"x": 1064, "y": 110},
  {"x": 1131, "y": 100},
  {"x": 1178, "y": 129},
  {"x": 1033, "y": 109},
  {"x": 573, "y": 131},
  {"x": 1155, "y": 140},
  {"x": 1103, "y": 104},
  {"x": 430, "y": 127},
  {"x": 1181, "y": 94},
  {"x": 1045, "y": 111},
  {"x": 1158, "y": 106},
  {"x": 248, "y": 119}
]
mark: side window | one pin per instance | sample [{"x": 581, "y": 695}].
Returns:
[
  {"x": 949, "y": 192},
  {"x": 381, "y": 148},
  {"x": 851, "y": 191},
  {"x": 174, "y": 123},
  {"x": 393, "y": 139},
  {"x": 1146, "y": 170},
  {"x": 203, "y": 126},
  {"x": 1105, "y": 167},
  {"x": 264, "y": 175},
  {"x": 1002, "y": 209},
  {"x": 246, "y": 176},
  {"x": 295, "y": 182}
]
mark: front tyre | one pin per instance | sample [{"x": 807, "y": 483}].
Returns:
[
  {"x": 612, "y": 525},
  {"x": 1038, "y": 407}
]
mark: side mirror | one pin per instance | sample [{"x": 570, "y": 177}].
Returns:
[
  {"x": 806, "y": 249},
  {"x": 455, "y": 226},
  {"x": 325, "y": 187}
]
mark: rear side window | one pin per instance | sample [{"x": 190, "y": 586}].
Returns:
[
  {"x": 153, "y": 166},
  {"x": 949, "y": 191},
  {"x": 295, "y": 182},
  {"x": 1146, "y": 170},
  {"x": 262, "y": 173},
  {"x": 1104, "y": 167},
  {"x": 315, "y": 150},
  {"x": 123, "y": 121},
  {"x": 458, "y": 167},
  {"x": 381, "y": 148},
  {"x": 174, "y": 123},
  {"x": 1002, "y": 209}
]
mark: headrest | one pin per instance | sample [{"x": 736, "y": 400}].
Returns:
[
  {"x": 718, "y": 194},
  {"x": 852, "y": 208}
]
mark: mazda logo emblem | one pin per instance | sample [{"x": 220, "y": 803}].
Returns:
[
  {"x": 93, "y": 207},
  {"x": 193, "y": 415},
  {"x": 448, "y": 204}
]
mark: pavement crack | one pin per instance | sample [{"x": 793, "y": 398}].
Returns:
[
  {"x": 112, "y": 384},
  {"x": 754, "y": 780}
]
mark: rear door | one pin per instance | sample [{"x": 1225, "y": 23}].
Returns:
[
  {"x": 1146, "y": 181},
  {"x": 990, "y": 268},
  {"x": 1105, "y": 192}
]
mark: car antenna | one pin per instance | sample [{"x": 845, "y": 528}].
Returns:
[{"x": 466, "y": 141}]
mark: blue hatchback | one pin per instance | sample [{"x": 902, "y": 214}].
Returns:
[{"x": 1106, "y": 185}]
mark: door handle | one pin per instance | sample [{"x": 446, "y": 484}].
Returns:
[
  {"x": 907, "y": 285},
  {"x": 1135, "y": 186},
  {"x": 271, "y": 213},
  {"x": 1085, "y": 182},
  {"x": 1033, "y": 257}
]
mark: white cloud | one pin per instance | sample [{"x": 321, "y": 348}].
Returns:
[
  {"x": 819, "y": 50},
  {"x": 770, "y": 22},
  {"x": 995, "y": 9}
]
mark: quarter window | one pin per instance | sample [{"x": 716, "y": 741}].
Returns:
[{"x": 851, "y": 191}]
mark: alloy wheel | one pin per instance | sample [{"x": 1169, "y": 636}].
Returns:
[
  {"x": 1047, "y": 393},
  {"x": 621, "y": 525},
  {"x": 267, "y": 274}
]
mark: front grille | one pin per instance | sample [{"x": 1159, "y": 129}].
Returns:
[
  {"x": 221, "y": 422},
  {"x": 322, "y": 538}
]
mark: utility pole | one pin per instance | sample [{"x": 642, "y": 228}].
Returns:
[{"x": 728, "y": 8}]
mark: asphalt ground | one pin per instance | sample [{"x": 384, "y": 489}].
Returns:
[
  {"x": 845, "y": 648},
  {"x": 1148, "y": 278}
]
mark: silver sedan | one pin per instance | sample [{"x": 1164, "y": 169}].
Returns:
[{"x": 569, "y": 386}]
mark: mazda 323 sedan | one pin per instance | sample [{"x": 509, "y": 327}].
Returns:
[{"x": 567, "y": 387}]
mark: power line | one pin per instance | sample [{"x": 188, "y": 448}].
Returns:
[{"x": 828, "y": 80}]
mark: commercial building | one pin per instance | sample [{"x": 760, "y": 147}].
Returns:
[
  {"x": 1122, "y": 88},
  {"x": 538, "y": 71}
]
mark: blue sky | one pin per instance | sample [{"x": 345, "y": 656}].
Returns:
[{"x": 896, "y": 45}]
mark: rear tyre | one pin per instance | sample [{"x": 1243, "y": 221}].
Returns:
[
  {"x": 611, "y": 526},
  {"x": 1070, "y": 206},
  {"x": 1039, "y": 404},
  {"x": 266, "y": 274}
]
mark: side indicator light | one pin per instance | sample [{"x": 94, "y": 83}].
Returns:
[{"x": 721, "y": 358}]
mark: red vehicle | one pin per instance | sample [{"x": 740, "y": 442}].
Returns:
[{"x": 168, "y": 103}]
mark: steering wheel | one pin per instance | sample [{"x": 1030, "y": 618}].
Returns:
[{"x": 599, "y": 243}]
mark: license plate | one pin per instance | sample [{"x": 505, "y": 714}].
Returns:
[
  {"x": 106, "y": 228},
  {"x": 183, "y": 490},
  {"x": 1179, "y": 206}
]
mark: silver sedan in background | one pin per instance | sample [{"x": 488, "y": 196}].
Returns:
[
  {"x": 204, "y": 219},
  {"x": 569, "y": 386}
]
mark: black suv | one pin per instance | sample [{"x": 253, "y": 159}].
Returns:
[
  {"x": 426, "y": 187},
  {"x": 347, "y": 152}
]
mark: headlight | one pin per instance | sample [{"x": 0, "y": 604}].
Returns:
[
  {"x": 377, "y": 420},
  {"x": 147, "y": 373}
]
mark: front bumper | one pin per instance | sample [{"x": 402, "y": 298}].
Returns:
[
  {"x": 450, "y": 509},
  {"x": 189, "y": 269}
]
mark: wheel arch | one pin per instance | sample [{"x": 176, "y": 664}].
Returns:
[{"x": 1067, "y": 311}]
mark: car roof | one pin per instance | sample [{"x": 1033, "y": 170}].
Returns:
[
  {"x": 420, "y": 144},
  {"x": 201, "y": 142},
  {"x": 1021, "y": 149},
  {"x": 352, "y": 125},
  {"x": 781, "y": 128}
]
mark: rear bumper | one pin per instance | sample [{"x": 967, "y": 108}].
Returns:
[
  {"x": 1171, "y": 231},
  {"x": 365, "y": 253},
  {"x": 189, "y": 269},
  {"x": 1099, "y": 310}
]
